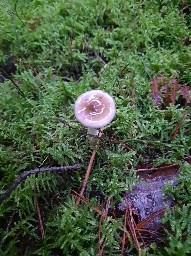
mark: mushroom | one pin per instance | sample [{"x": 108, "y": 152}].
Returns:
[{"x": 94, "y": 109}]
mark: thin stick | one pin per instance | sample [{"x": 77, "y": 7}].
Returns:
[
  {"x": 143, "y": 223},
  {"x": 15, "y": 7},
  {"x": 14, "y": 83},
  {"x": 99, "y": 236},
  {"x": 132, "y": 228},
  {"x": 43, "y": 161},
  {"x": 89, "y": 168},
  {"x": 162, "y": 168},
  {"x": 105, "y": 216},
  {"x": 133, "y": 85},
  {"x": 10, "y": 221},
  {"x": 123, "y": 143},
  {"x": 167, "y": 167},
  {"x": 40, "y": 219},
  {"x": 177, "y": 129},
  {"x": 107, "y": 208},
  {"x": 85, "y": 201},
  {"x": 26, "y": 174},
  {"x": 124, "y": 234},
  {"x": 95, "y": 53}
]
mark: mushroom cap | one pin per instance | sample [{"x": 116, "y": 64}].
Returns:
[{"x": 95, "y": 109}]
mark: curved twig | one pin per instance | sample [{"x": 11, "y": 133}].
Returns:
[{"x": 23, "y": 176}]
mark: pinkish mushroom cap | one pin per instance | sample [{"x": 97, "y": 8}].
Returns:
[{"x": 95, "y": 109}]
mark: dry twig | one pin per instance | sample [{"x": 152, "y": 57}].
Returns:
[
  {"x": 143, "y": 223},
  {"x": 161, "y": 168},
  {"x": 85, "y": 201},
  {"x": 105, "y": 216},
  {"x": 95, "y": 53},
  {"x": 23, "y": 176},
  {"x": 124, "y": 234},
  {"x": 177, "y": 129},
  {"x": 40, "y": 218},
  {"x": 89, "y": 167},
  {"x": 132, "y": 228},
  {"x": 100, "y": 248}
]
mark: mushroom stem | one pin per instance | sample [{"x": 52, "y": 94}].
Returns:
[{"x": 92, "y": 131}]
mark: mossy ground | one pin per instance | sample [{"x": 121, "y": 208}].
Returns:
[{"x": 50, "y": 53}]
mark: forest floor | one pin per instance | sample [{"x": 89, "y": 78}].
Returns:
[{"x": 128, "y": 190}]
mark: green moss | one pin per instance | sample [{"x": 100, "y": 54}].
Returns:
[{"x": 62, "y": 49}]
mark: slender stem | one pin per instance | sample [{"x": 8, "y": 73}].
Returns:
[{"x": 93, "y": 131}]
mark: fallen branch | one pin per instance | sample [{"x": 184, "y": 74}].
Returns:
[{"x": 23, "y": 176}]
